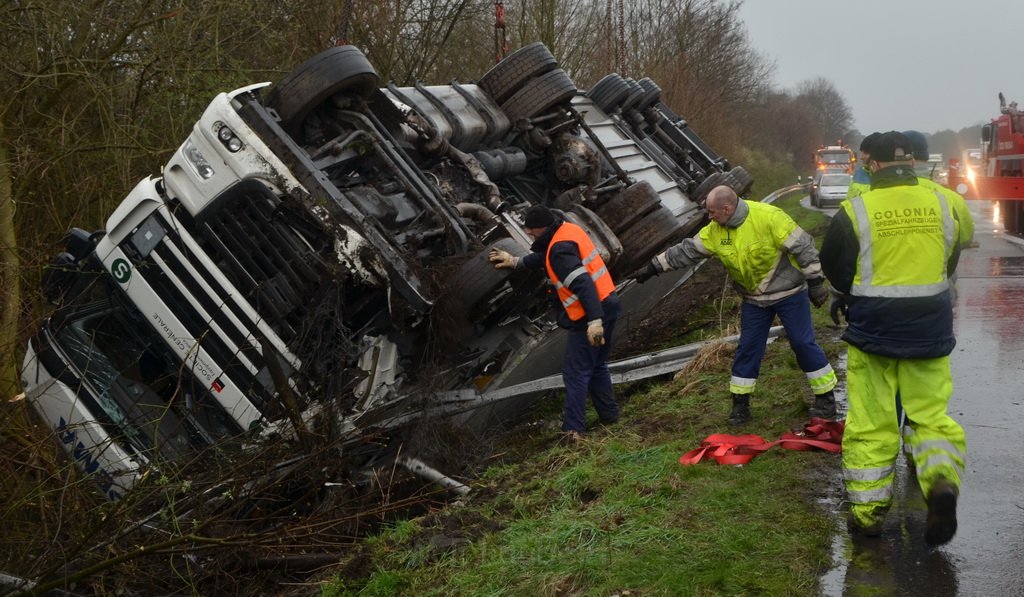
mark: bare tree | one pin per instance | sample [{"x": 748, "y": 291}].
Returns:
[
  {"x": 571, "y": 29},
  {"x": 828, "y": 108},
  {"x": 10, "y": 279},
  {"x": 784, "y": 127},
  {"x": 429, "y": 40},
  {"x": 703, "y": 60}
]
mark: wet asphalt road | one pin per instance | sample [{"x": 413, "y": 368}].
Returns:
[{"x": 986, "y": 557}]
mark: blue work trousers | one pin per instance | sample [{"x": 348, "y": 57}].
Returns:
[
  {"x": 585, "y": 371},
  {"x": 795, "y": 314}
]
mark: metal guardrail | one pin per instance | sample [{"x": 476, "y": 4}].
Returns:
[
  {"x": 627, "y": 370},
  {"x": 785, "y": 192}
]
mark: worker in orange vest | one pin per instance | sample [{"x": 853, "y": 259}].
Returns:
[{"x": 588, "y": 308}]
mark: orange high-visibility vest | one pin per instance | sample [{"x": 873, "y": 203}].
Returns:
[{"x": 593, "y": 265}]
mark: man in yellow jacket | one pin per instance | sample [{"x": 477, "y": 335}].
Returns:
[
  {"x": 862, "y": 181},
  {"x": 774, "y": 266},
  {"x": 889, "y": 255}
]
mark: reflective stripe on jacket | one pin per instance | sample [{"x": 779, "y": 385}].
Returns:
[
  {"x": 593, "y": 265},
  {"x": 959, "y": 206}
]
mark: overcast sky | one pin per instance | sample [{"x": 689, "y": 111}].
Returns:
[{"x": 901, "y": 64}]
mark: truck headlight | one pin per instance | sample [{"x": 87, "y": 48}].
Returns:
[
  {"x": 196, "y": 159},
  {"x": 229, "y": 139}
]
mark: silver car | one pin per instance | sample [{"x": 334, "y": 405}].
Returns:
[{"x": 830, "y": 189}]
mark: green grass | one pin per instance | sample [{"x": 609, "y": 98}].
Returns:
[{"x": 619, "y": 513}]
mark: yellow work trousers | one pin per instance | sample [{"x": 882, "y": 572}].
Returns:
[{"x": 871, "y": 441}]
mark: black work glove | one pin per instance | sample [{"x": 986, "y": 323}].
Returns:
[
  {"x": 816, "y": 291},
  {"x": 645, "y": 273},
  {"x": 838, "y": 306}
]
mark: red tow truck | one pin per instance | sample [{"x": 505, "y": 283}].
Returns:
[{"x": 1000, "y": 175}]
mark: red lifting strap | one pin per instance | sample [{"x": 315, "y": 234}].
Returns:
[{"x": 820, "y": 434}]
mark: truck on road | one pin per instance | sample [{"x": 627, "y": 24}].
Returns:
[
  {"x": 996, "y": 173},
  {"x": 834, "y": 158}
]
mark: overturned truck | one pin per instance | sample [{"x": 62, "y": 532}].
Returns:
[{"x": 312, "y": 261}]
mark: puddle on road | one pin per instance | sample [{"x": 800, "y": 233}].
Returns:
[
  {"x": 897, "y": 563},
  {"x": 1005, "y": 267}
]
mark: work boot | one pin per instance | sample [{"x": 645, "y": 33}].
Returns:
[
  {"x": 740, "y": 409},
  {"x": 864, "y": 530},
  {"x": 941, "y": 524},
  {"x": 571, "y": 438},
  {"x": 824, "y": 406}
]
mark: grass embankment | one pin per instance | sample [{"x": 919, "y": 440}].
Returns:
[{"x": 618, "y": 514}]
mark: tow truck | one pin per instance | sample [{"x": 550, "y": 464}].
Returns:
[
  {"x": 834, "y": 158},
  {"x": 311, "y": 266},
  {"x": 999, "y": 176}
]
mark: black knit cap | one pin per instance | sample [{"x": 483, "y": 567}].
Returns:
[
  {"x": 919, "y": 144},
  {"x": 891, "y": 147},
  {"x": 538, "y": 216},
  {"x": 865, "y": 144}
]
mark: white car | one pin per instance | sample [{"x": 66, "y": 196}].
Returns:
[{"x": 830, "y": 189}]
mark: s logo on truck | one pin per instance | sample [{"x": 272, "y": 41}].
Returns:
[{"x": 121, "y": 270}]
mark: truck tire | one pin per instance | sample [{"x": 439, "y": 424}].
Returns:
[
  {"x": 642, "y": 241},
  {"x": 633, "y": 95},
  {"x": 539, "y": 95},
  {"x": 336, "y": 70},
  {"x": 609, "y": 92},
  {"x": 652, "y": 93},
  {"x": 741, "y": 180},
  {"x": 700, "y": 194},
  {"x": 1010, "y": 212},
  {"x": 629, "y": 206},
  {"x": 509, "y": 75},
  {"x": 605, "y": 240},
  {"x": 478, "y": 278}
]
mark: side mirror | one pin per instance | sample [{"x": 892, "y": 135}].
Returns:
[{"x": 80, "y": 243}]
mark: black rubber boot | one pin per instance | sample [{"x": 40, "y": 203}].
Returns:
[
  {"x": 941, "y": 522},
  {"x": 740, "y": 409},
  {"x": 824, "y": 406}
]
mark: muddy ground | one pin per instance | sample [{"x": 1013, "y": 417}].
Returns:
[
  {"x": 680, "y": 313},
  {"x": 332, "y": 520}
]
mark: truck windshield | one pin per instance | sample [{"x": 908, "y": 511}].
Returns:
[
  {"x": 143, "y": 394},
  {"x": 842, "y": 157}
]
